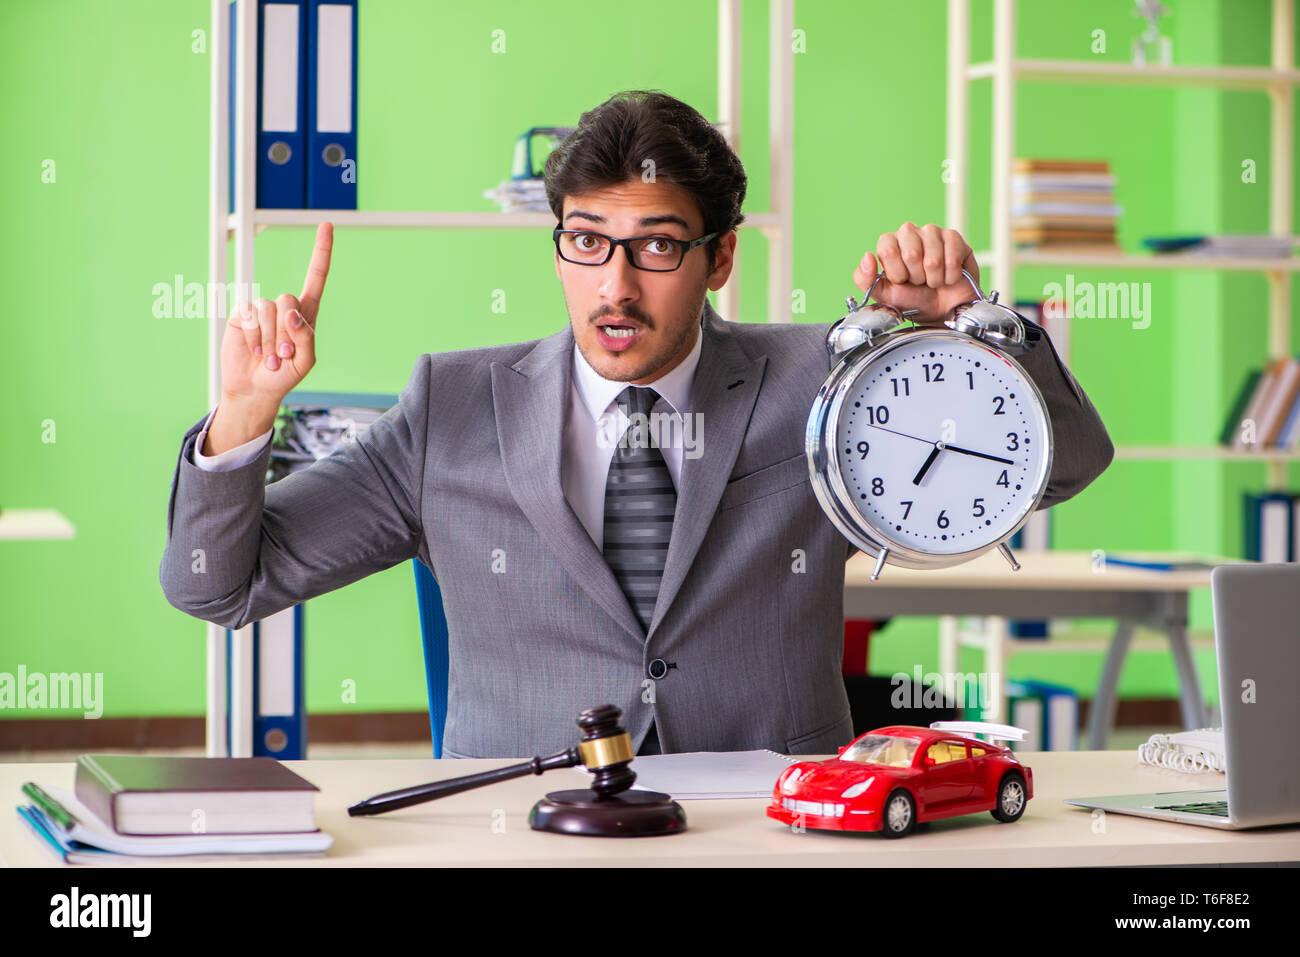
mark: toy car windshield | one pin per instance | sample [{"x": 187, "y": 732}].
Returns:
[{"x": 882, "y": 749}]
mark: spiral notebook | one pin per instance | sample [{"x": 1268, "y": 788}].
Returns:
[{"x": 703, "y": 775}]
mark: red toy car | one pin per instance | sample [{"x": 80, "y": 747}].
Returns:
[{"x": 892, "y": 778}]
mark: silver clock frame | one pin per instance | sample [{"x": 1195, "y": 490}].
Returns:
[{"x": 876, "y": 337}]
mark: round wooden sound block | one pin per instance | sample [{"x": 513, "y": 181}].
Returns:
[{"x": 627, "y": 814}]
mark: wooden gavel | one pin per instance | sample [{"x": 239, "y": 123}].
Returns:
[{"x": 605, "y": 750}]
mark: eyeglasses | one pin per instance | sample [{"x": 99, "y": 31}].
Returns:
[{"x": 651, "y": 253}]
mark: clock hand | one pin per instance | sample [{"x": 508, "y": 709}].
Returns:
[
  {"x": 954, "y": 448},
  {"x": 903, "y": 434},
  {"x": 934, "y": 454}
]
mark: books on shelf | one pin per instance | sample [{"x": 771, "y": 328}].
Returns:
[
  {"x": 1266, "y": 411},
  {"x": 1049, "y": 712},
  {"x": 1064, "y": 205},
  {"x": 1272, "y": 526}
]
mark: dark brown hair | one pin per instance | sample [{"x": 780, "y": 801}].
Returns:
[{"x": 613, "y": 140}]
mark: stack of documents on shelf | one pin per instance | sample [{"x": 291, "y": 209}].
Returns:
[
  {"x": 698, "y": 775},
  {"x": 1064, "y": 205},
  {"x": 1239, "y": 246},
  {"x": 1162, "y": 562},
  {"x": 313, "y": 425},
  {"x": 1266, "y": 413},
  {"x": 131, "y": 809},
  {"x": 1243, "y": 246},
  {"x": 520, "y": 196}
]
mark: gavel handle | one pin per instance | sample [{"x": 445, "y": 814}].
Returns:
[{"x": 405, "y": 797}]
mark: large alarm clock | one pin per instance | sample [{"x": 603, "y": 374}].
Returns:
[{"x": 929, "y": 445}]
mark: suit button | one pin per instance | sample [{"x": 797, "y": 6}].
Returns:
[{"x": 659, "y": 668}]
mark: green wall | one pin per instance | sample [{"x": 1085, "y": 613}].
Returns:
[{"x": 117, "y": 97}]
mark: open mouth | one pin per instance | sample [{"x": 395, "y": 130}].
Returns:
[{"x": 617, "y": 336}]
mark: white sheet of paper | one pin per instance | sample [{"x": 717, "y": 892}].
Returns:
[{"x": 700, "y": 775}]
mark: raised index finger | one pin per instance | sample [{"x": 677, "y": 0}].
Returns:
[{"x": 313, "y": 286}]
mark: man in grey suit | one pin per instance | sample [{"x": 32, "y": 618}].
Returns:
[{"x": 583, "y": 559}]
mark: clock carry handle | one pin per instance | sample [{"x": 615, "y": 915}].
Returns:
[
  {"x": 979, "y": 295},
  {"x": 872, "y": 323},
  {"x": 984, "y": 318}
]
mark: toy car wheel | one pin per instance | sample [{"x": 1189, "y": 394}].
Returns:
[
  {"x": 1011, "y": 799},
  {"x": 899, "y": 815}
]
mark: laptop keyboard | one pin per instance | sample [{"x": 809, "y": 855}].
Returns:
[{"x": 1215, "y": 808}]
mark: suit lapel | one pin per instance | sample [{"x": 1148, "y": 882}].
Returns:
[
  {"x": 726, "y": 386},
  {"x": 530, "y": 400}
]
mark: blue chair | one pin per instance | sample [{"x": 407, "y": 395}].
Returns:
[{"x": 433, "y": 629}]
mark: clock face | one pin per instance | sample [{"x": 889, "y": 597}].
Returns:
[{"x": 942, "y": 444}]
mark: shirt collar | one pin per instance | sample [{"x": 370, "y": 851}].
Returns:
[{"x": 598, "y": 393}]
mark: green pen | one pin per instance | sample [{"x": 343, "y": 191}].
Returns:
[{"x": 52, "y": 808}]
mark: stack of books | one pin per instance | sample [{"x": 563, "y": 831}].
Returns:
[
  {"x": 133, "y": 809},
  {"x": 1266, "y": 412},
  {"x": 1064, "y": 205}
]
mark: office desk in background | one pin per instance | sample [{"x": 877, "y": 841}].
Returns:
[
  {"x": 1054, "y": 584},
  {"x": 459, "y": 831}
]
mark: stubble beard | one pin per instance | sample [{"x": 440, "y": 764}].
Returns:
[{"x": 600, "y": 361}]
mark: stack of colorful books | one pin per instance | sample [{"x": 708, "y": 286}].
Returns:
[
  {"x": 1266, "y": 412},
  {"x": 1064, "y": 205}
]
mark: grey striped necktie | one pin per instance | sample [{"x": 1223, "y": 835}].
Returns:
[{"x": 639, "y": 503}]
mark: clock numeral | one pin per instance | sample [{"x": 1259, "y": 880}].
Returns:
[
  {"x": 907, "y": 511},
  {"x": 970, "y": 378},
  {"x": 979, "y": 507},
  {"x": 864, "y": 448},
  {"x": 907, "y": 389},
  {"x": 1003, "y": 480},
  {"x": 877, "y": 486},
  {"x": 943, "y": 519},
  {"x": 1015, "y": 441},
  {"x": 938, "y": 374},
  {"x": 1000, "y": 402},
  {"x": 878, "y": 415}
]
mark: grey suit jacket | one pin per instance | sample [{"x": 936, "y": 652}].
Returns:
[{"x": 464, "y": 472}]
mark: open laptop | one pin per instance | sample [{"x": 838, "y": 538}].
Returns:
[{"x": 1257, "y": 640}]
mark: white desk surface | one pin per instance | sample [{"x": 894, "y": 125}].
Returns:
[
  {"x": 458, "y": 830},
  {"x": 1052, "y": 569}
]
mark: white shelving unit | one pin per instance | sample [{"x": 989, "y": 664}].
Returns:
[
  {"x": 34, "y": 524},
  {"x": 246, "y": 221},
  {"x": 1278, "y": 81}
]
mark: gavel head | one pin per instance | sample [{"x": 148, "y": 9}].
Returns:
[{"x": 606, "y": 750}]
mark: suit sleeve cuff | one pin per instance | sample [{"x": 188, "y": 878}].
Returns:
[{"x": 230, "y": 459}]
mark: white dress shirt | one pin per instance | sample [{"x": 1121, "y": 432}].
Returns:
[{"x": 592, "y": 426}]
